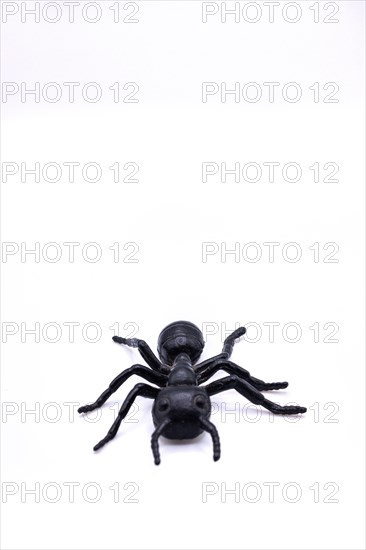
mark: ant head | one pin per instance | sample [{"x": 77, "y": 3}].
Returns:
[{"x": 183, "y": 407}]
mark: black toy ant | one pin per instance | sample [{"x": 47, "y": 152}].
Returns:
[{"x": 182, "y": 406}]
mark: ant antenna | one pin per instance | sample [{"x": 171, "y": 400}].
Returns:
[
  {"x": 154, "y": 440},
  {"x": 211, "y": 429}
]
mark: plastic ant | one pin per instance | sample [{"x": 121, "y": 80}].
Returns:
[{"x": 182, "y": 406}]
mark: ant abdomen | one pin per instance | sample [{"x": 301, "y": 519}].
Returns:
[{"x": 180, "y": 337}]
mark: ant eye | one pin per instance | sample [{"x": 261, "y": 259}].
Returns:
[
  {"x": 163, "y": 405},
  {"x": 200, "y": 402}
]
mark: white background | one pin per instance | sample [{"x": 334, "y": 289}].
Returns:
[{"x": 169, "y": 213}]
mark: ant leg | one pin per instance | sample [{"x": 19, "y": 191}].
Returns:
[
  {"x": 226, "y": 350},
  {"x": 247, "y": 390},
  {"x": 140, "y": 370},
  {"x": 209, "y": 362},
  {"x": 155, "y": 440},
  {"x": 232, "y": 368},
  {"x": 211, "y": 429},
  {"x": 144, "y": 349},
  {"x": 140, "y": 389},
  {"x": 230, "y": 340}
]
